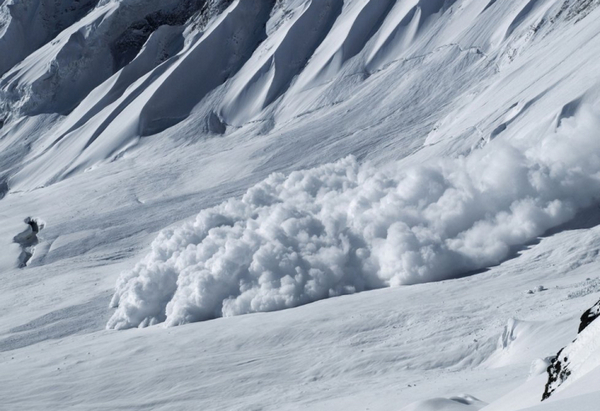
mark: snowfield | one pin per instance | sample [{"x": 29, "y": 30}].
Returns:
[{"x": 400, "y": 195}]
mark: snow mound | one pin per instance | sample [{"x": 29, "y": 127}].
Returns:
[
  {"x": 522, "y": 341},
  {"x": 344, "y": 227}
]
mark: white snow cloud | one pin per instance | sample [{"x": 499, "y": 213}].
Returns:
[{"x": 345, "y": 227}]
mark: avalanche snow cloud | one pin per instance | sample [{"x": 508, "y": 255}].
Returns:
[{"x": 345, "y": 227}]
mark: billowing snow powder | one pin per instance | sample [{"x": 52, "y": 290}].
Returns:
[{"x": 344, "y": 227}]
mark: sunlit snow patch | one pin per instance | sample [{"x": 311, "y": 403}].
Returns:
[{"x": 344, "y": 227}]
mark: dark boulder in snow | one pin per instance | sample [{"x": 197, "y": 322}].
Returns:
[
  {"x": 573, "y": 361},
  {"x": 589, "y": 316},
  {"x": 558, "y": 372}
]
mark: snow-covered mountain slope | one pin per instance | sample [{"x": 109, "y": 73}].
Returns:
[
  {"x": 571, "y": 376},
  {"x": 264, "y": 72},
  {"x": 330, "y": 147}
]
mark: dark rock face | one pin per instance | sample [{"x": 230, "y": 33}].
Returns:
[
  {"x": 131, "y": 41},
  {"x": 559, "y": 370},
  {"x": 589, "y": 316}
]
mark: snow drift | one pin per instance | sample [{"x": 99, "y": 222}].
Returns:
[{"x": 345, "y": 227}]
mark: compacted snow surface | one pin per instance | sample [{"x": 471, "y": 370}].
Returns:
[{"x": 401, "y": 195}]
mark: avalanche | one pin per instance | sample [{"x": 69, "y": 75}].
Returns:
[
  {"x": 342, "y": 228},
  {"x": 222, "y": 157}
]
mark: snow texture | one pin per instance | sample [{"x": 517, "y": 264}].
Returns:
[{"x": 345, "y": 227}]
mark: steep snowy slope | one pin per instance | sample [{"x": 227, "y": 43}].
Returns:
[
  {"x": 27, "y": 25},
  {"x": 330, "y": 147}
]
